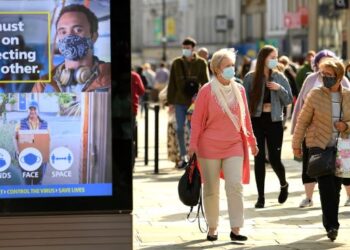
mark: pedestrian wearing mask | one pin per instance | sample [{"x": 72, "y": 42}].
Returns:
[
  {"x": 220, "y": 133},
  {"x": 187, "y": 74},
  {"x": 324, "y": 116},
  {"x": 268, "y": 92},
  {"x": 312, "y": 81}
]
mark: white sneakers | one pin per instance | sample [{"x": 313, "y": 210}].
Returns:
[{"x": 306, "y": 203}]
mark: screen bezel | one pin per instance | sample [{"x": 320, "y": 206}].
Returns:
[{"x": 121, "y": 199}]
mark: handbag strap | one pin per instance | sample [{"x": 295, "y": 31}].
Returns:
[
  {"x": 340, "y": 116},
  {"x": 197, "y": 216}
]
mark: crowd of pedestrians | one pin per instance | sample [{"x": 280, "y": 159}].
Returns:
[{"x": 235, "y": 107}]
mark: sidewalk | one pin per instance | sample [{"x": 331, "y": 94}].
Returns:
[{"x": 160, "y": 218}]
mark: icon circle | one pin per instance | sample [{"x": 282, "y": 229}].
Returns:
[
  {"x": 30, "y": 159},
  {"x": 5, "y": 160},
  {"x": 61, "y": 158}
]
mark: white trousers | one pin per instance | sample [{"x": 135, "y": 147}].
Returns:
[{"x": 232, "y": 168}]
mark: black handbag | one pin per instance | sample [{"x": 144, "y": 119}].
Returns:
[
  {"x": 190, "y": 191},
  {"x": 321, "y": 162},
  {"x": 189, "y": 186}
]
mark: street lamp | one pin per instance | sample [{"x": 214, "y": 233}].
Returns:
[{"x": 164, "y": 38}]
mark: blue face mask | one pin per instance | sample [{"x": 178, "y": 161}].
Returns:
[
  {"x": 272, "y": 63},
  {"x": 348, "y": 74},
  {"x": 74, "y": 47},
  {"x": 2, "y": 162},
  {"x": 186, "y": 52},
  {"x": 228, "y": 73},
  {"x": 30, "y": 159},
  {"x": 329, "y": 81}
]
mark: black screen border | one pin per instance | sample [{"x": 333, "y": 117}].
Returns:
[{"x": 121, "y": 199}]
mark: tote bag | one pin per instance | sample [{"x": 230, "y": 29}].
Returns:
[{"x": 343, "y": 158}]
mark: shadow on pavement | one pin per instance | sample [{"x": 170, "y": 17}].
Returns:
[{"x": 306, "y": 243}]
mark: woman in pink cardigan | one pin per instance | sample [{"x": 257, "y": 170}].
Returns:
[{"x": 220, "y": 132}]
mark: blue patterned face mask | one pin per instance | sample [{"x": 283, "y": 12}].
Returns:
[{"x": 74, "y": 47}]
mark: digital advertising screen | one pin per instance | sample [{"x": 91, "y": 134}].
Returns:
[{"x": 55, "y": 104}]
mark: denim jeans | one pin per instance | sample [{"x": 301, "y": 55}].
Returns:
[{"x": 180, "y": 116}]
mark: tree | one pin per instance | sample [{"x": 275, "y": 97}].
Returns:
[{"x": 5, "y": 99}]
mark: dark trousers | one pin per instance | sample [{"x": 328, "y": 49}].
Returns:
[
  {"x": 305, "y": 178},
  {"x": 329, "y": 187},
  {"x": 272, "y": 132}
]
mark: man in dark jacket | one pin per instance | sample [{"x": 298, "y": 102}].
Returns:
[{"x": 187, "y": 74}]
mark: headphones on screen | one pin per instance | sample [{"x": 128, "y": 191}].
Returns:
[{"x": 81, "y": 75}]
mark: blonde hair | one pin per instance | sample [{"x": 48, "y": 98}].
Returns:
[
  {"x": 336, "y": 65},
  {"x": 218, "y": 56}
]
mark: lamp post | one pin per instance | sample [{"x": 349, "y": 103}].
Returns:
[{"x": 164, "y": 38}]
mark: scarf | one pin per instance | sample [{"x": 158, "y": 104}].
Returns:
[{"x": 228, "y": 97}]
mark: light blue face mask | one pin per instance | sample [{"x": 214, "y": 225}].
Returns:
[
  {"x": 186, "y": 52},
  {"x": 228, "y": 73},
  {"x": 272, "y": 63}
]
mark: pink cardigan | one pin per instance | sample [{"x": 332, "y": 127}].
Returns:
[{"x": 213, "y": 134}]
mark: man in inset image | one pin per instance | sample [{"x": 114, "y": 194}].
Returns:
[
  {"x": 81, "y": 71},
  {"x": 33, "y": 122}
]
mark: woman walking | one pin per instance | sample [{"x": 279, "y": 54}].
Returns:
[
  {"x": 220, "y": 131},
  {"x": 268, "y": 92},
  {"x": 324, "y": 116}
]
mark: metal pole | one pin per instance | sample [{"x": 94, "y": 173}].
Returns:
[
  {"x": 156, "y": 139},
  {"x": 146, "y": 133},
  {"x": 136, "y": 140},
  {"x": 164, "y": 38}
]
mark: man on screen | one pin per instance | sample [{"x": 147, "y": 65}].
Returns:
[
  {"x": 31, "y": 122},
  {"x": 81, "y": 71}
]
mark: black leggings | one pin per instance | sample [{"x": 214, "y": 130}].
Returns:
[{"x": 272, "y": 132}]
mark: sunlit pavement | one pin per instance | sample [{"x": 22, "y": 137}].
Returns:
[{"x": 160, "y": 218}]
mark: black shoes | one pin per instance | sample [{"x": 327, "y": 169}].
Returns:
[
  {"x": 212, "y": 237},
  {"x": 238, "y": 237},
  {"x": 283, "y": 194},
  {"x": 260, "y": 202},
  {"x": 332, "y": 234}
]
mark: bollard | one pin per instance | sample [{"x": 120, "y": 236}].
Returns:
[
  {"x": 136, "y": 140},
  {"x": 146, "y": 133},
  {"x": 156, "y": 139}
]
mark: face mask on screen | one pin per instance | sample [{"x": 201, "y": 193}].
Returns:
[{"x": 74, "y": 47}]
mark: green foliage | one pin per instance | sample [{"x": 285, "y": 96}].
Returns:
[
  {"x": 7, "y": 133},
  {"x": 65, "y": 99}
]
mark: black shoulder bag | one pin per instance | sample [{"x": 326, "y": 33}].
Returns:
[
  {"x": 322, "y": 161},
  {"x": 191, "y": 86},
  {"x": 190, "y": 191}
]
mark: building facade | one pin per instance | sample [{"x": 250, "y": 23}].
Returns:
[{"x": 294, "y": 26}]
